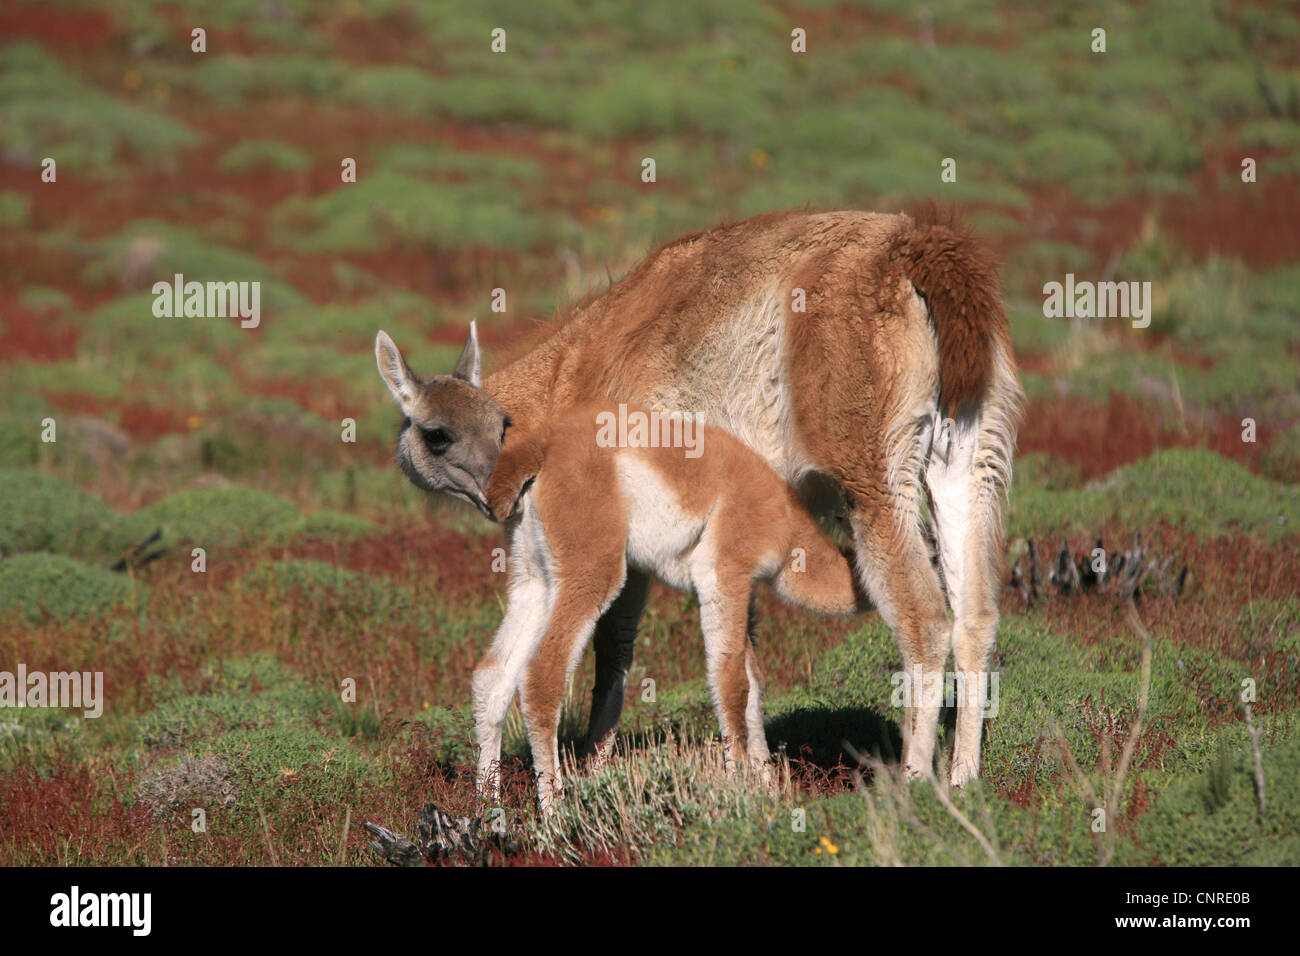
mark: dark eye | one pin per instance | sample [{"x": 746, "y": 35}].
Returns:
[
  {"x": 504, "y": 425},
  {"x": 437, "y": 440}
]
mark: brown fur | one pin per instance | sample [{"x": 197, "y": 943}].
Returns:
[
  {"x": 757, "y": 525},
  {"x": 902, "y": 324},
  {"x": 957, "y": 276}
]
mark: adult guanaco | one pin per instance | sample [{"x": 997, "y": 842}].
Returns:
[{"x": 862, "y": 355}]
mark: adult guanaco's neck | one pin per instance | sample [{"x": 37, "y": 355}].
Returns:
[{"x": 562, "y": 370}]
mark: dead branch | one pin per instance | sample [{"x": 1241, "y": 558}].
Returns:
[
  {"x": 1076, "y": 571},
  {"x": 136, "y": 557},
  {"x": 1259, "y": 759},
  {"x": 463, "y": 840}
]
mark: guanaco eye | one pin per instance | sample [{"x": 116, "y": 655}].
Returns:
[{"x": 437, "y": 440}]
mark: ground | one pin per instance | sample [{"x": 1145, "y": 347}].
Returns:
[{"x": 225, "y": 687}]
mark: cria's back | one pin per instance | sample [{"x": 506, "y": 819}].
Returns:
[{"x": 696, "y": 506}]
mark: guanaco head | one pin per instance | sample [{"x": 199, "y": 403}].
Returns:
[{"x": 452, "y": 430}]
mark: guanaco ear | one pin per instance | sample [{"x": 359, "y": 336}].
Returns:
[
  {"x": 397, "y": 375},
  {"x": 470, "y": 366}
]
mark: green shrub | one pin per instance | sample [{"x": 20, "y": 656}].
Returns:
[
  {"x": 1188, "y": 486},
  {"x": 1282, "y": 460},
  {"x": 321, "y": 525},
  {"x": 450, "y": 732},
  {"x": 1213, "y": 819},
  {"x": 421, "y": 159},
  {"x": 217, "y": 517},
  {"x": 270, "y": 154},
  {"x": 329, "y": 590},
  {"x": 233, "y": 79},
  {"x": 61, "y": 587},
  {"x": 171, "y": 250},
  {"x": 14, "y": 209},
  {"x": 20, "y": 447},
  {"x": 89, "y": 129},
  {"x": 45, "y": 298},
  {"x": 246, "y": 694},
  {"x": 388, "y": 207},
  {"x": 1087, "y": 161},
  {"x": 267, "y": 761},
  {"x": 41, "y": 513}
]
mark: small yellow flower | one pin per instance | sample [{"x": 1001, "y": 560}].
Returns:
[
  {"x": 759, "y": 159},
  {"x": 132, "y": 79},
  {"x": 818, "y": 851},
  {"x": 831, "y": 848},
  {"x": 193, "y": 422}
]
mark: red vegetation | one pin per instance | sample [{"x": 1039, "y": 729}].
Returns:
[
  {"x": 1097, "y": 439},
  {"x": 1058, "y": 214},
  {"x": 137, "y": 419},
  {"x": 71, "y": 29},
  {"x": 31, "y": 334},
  {"x": 1254, "y": 222},
  {"x": 68, "y": 814},
  {"x": 460, "y": 564}
]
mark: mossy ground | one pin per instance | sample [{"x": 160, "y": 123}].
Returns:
[{"x": 315, "y": 674}]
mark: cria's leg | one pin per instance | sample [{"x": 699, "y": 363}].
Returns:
[
  {"x": 584, "y": 593},
  {"x": 756, "y": 735},
  {"x": 498, "y": 674},
  {"x": 615, "y": 643},
  {"x": 724, "y": 617}
]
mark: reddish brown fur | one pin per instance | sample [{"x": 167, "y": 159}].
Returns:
[
  {"x": 957, "y": 276},
  {"x": 830, "y": 343},
  {"x": 751, "y": 524}
]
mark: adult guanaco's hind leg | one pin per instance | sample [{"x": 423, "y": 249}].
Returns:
[
  {"x": 615, "y": 643},
  {"x": 896, "y": 572}
]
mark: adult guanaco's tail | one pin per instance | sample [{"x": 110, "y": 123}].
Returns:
[{"x": 956, "y": 274}]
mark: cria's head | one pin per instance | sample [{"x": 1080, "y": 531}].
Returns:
[{"x": 452, "y": 430}]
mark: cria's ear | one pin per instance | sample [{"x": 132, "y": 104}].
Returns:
[
  {"x": 470, "y": 366},
  {"x": 397, "y": 375}
]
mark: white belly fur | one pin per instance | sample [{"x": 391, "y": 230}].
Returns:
[
  {"x": 661, "y": 534},
  {"x": 737, "y": 379}
]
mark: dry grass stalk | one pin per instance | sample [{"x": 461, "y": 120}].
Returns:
[{"x": 1113, "y": 793}]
